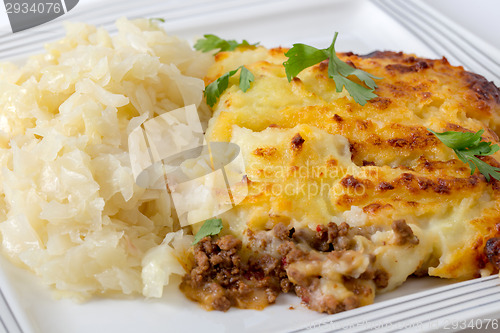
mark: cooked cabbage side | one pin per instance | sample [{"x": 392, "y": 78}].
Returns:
[
  {"x": 70, "y": 210},
  {"x": 346, "y": 200}
]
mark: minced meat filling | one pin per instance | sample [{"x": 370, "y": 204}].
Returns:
[
  {"x": 220, "y": 278},
  {"x": 308, "y": 262}
]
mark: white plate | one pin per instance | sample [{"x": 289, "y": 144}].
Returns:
[{"x": 363, "y": 28}]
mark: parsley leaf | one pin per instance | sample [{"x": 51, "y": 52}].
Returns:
[
  {"x": 216, "y": 88},
  {"x": 301, "y": 56},
  {"x": 159, "y": 19},
  {"x": 469, "y": 145},
  {"x": 213, "y": 42},
  {"x": 459, "y": 140},
  {"x": 245, "y": 78},
  {"x": 211, "y": 227}
]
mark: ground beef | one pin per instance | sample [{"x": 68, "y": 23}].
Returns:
[
  {"x": 381, "y": 279},
  {"x": 281, "y": 231},
  {"x": 326, "y": 238},
  {"x": 492, "y": 251},
  {"x": 324, "y": 303},
  {"x": 404, "y": 234},
  {"x": 332, "y": 237},
  {"x": 290, "y": 253},
  {"x": 220, "y": 278},
  {"x": 307, "y": 286}
]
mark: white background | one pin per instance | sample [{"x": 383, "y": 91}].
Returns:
[{"x": 480, "y": 16}]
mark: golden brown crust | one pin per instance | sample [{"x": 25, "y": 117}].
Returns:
[
  {"x": 373, "y": 165},
  {"x": 479, "y": 97}
]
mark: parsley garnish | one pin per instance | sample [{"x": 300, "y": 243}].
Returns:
[
  {"x": 301, "y": 56},
  {"x": 159, "y": 19},
  {"x": 212, "y": 42},
  {"x": 216, "y": 88},
  {"x": 469, "y": 145},
  {"x": 211, "y": 227}
]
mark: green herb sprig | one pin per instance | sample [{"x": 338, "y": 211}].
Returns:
[
  {"x": 159, "y": 19},
  {"x": 212, "y": 42},
  {"x": 215, "y": 89},
  {"x": 211, "y": 227},
  {"x": 302, "y": 56},
  {"x": 469, "y": 145}
]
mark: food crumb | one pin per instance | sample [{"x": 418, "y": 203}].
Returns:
[{"x": 291, "y": 308}]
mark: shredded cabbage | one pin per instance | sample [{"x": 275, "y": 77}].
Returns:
[{"x": 70, "y": 210}]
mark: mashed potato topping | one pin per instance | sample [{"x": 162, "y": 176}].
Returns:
[
  {"x": 346, "y": 201},
  {"x": 70, "y": 210}
]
